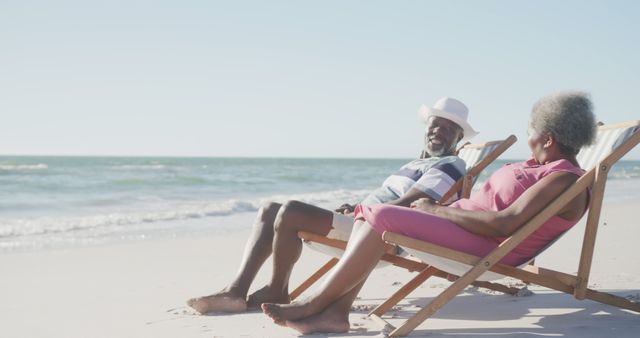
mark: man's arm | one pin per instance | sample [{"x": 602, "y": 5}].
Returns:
[
  {"x": 412, "y": 195},
  {"x": 434, "y": 183}
]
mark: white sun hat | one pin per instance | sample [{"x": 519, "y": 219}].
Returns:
[{"x": 450, "y": 109}]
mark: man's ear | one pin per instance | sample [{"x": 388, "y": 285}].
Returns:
[{"x": 460, "y": 137}]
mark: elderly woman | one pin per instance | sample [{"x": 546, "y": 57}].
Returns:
[{"x": 560, "y": 124}]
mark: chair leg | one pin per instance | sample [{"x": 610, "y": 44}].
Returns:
[
  {"x": 313, "y": 278},
  {"x": 403, "y": 291},
  {"x": 590, "y": 232},
  {"x": 436, "y": 303},
  {"x": 613, "y": 300}
]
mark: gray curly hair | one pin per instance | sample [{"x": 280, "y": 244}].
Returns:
[{"x": 568, "y": 116}]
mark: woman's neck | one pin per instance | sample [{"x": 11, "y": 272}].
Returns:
[{"x": 559, "y": 156}]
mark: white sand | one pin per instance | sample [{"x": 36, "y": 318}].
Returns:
[{"x": 139, "y": 289}]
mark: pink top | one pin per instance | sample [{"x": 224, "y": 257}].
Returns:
[{"x": 507, "y": 184}]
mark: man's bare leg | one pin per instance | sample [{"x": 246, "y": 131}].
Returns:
[
  {"x": 293, "y": 217},
  {"x": 258, "y": 248}
]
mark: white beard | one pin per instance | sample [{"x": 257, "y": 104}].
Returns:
[{"x": 434, "y": 153}]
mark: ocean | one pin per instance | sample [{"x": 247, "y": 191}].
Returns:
[{"x": 52, "y": 202}]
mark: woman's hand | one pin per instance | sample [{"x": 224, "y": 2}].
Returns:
[{"x": 424, "y": 204}]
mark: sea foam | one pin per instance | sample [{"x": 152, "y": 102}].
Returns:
[{"x": 170, "y": 211}]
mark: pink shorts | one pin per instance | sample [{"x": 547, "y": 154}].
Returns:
[{"x": 429, "y": 228}]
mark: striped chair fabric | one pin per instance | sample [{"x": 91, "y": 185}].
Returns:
[{"x": 609, "y": 137}]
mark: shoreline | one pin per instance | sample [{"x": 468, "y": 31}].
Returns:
[{"x": 211, "y": 227}]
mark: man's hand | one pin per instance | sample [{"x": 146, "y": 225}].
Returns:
[
  {"x": 346, "y": 209},
  {"x": 425, "y": 204}
]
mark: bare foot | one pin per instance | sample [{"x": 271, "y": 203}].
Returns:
[
  {"x": 325, "y": 322},
  {"x": 265, "y": 295},
  {"x": 280, "y": 313},
  {"x": 219, "y": 302},
  {"x": 270, "y": 310}
]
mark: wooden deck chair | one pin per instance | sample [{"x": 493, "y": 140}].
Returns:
[
  {"x": 476, "y": 156},
  {"x": 613, "y": 142}
]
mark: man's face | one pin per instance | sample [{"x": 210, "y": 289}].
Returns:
[{"x": 441, "y": 136}]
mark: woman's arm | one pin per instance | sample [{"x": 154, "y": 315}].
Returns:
[{"x": 505, "y": 222}]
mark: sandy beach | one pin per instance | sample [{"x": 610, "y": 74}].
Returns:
[
  {"x": 139, "y": 140},
  {"x": 138, "y": 289}
]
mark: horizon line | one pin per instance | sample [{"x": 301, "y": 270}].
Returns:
[{"x": 229, "y": 157}]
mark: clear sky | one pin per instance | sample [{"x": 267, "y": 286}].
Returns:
[{"x": 298, "y": 78}]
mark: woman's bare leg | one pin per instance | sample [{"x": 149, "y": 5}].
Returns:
[
  {"x": 363, "y": 252},
  {"x": 333, "y": 319},
  {"x": 258, "y": 248}
]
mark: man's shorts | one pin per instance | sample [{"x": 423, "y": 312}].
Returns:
[{"x": 342, "y": 225}]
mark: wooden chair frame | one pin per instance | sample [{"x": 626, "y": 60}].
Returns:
[{"x": 563, "y": 282}]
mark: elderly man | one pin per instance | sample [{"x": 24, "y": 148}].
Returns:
[{"x": 277, "y": 225}]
